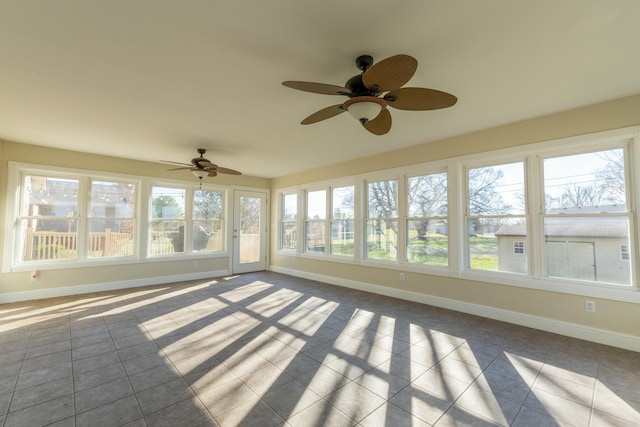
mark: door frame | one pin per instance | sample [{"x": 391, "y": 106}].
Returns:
[{"x": 235, "y": 267}]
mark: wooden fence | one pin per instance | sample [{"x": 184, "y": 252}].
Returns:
[{"x": 43, "y": 245}]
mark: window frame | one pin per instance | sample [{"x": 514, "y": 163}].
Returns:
[
  {"x": 626, "y": 145},
  {"x": 282, "y": 194},
  {"x": 531, "y": 155},
  {"x": 468, "y": 215},
  {"x": 17, "y": 170},
  {"x": 405, "y": 207}
]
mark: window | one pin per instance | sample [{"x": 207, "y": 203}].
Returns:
[
  {"x": 288, "y": 222},
  {"x": 496, "y": 216},
  {"x": 112, "y": 216},
  {"x": 382, "y": 220},
  {"x": 342, "y": 221},
  {"x": 427, "y": 219},
  {"x": 586, "y": 221},
  {"x": 518, "y": 247},
  {"x": 315, "y": 221},
  {"x": 48, "y": 218},
  {"x": 166, "y": 227},
  {"x": 56, "y": 224},
  {"x": 208, "y": 224},
  {"x": 558, "y": 210}
]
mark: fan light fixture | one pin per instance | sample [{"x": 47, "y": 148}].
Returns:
[
  {"x": 200, "y": 173},
  {"x": 364, "y": 108}
]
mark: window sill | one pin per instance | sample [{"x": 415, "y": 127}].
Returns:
[{"x": 104, "y": 262}]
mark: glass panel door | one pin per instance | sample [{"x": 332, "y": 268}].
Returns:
[{"x": 249, "y": 231}]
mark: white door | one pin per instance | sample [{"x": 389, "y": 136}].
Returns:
[{"x": 249, "y": 231}]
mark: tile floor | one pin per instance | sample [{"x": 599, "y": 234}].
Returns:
[{"x": 266, "y": 349}]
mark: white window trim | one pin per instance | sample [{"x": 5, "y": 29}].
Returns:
[
  {"x": 455, "y": 168},
  {"x": 10, "y": 261}
]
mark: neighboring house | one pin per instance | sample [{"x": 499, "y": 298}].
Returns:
[{"x": 584, "y": 248}]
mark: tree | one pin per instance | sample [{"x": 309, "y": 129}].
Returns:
[
  {"x": 166, "y": 204},
  {"x": 612, "y": 177},
  {"x": 207, "y": 205},
  {"x": 484, "y": 199},
  {"x": 580, "y": 196},
  {"x": 427, "y": 198}
]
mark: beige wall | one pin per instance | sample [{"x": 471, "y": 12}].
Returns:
[
  {"x": 620, "y": 317},
  {"x": 127, "y": 273}
]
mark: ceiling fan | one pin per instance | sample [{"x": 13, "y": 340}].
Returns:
[
  {"x": 378, "y": 87},
  {"x": 202, "y": 167}
]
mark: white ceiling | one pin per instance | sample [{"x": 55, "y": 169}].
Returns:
[{"x": 154, "y": 80}]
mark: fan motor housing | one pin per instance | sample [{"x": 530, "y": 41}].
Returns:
[{"x": 357, "y": 87}]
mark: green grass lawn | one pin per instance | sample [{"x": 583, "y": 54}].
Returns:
[{"x": 483, "y": 253}]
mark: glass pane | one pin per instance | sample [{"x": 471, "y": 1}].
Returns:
[
  {"x": 290, "y": 207},
  {"x": 587, "y": 248},
  {"x": 46, "y": 196},
  {"x": 590, "y": 182},
  {"x": 41, "y": 240},
  {"x": 249, "y": 230},
  {"x": 166, "y": 237},
  {"x": 315, "y": 236},
  {"x": 491, "y": 243},
  {"x": 382, "y": 239},
  {"x": 167, "y": 203},
  {"x": 383, "y": 199},
  {"x": 51, "y": 233},
  {"x": 207, "y": 205},
  {"x": 112, "y": 200},
  {"x": 428, "y": 195},
  {"x": 207, "y": 236},
  {"x": 317, "y": 204},
  {"x": 342, "y": 237},
  {"x": 497, "y": 190},
  {"x": 427, "y": 241},
  {"x": 111, "y": 225},
  {"x": 288, "y": 238},
  {"x": 343, "y": 202},
  {"x": 110, "y": 238}
]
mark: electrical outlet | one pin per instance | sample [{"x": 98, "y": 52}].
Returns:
[
  {"x": 590, "y": 306},
  {"x": 401, "y": 276}
]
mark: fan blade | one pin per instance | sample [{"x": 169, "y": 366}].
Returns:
[
  {"x": 381, "y": 124},
  {"x": 176, "y": 163},
  {"x": 321, "y": 88},
  {"x": 391, "y": 73},
  {"x": 325, "y": 113},
  {"x": 224, "y": 170},
  {"x": 212, "y": 173},
  {"x": 418, "y": 98},
  {"x": 177, "y": 169}
]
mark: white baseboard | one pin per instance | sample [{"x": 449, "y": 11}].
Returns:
[
  {"x": 107, "y": 286},
  {"x": 601, "y": 336}
]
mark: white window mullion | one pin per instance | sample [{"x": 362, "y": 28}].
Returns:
[
  {"x": 458, "y": 213},
  {"x": 82, "y": 230},
  {"x": 359, "y": 230},
  {"x": 535, "y": 217},
  {"x": 402, "y": 203}
]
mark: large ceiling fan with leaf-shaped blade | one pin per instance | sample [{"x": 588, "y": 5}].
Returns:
[
  {"x": 202, "y": 167},
  {"x": 370, "y": 93}
]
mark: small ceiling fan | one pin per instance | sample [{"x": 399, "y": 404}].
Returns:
[
  {"x": 378, "y": 87},
  {"x": 202, "y": 167}
]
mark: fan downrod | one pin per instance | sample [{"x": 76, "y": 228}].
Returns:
[{"x": 363, "y": 62}]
